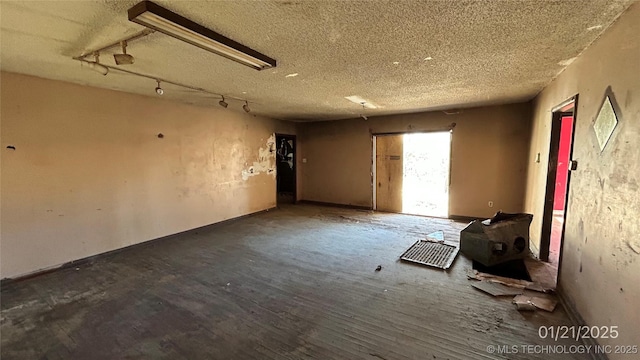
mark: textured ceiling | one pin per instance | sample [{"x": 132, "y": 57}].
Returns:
[{"x": 403, "y": 56}]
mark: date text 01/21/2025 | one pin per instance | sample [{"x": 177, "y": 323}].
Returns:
[{"x": 578, "y": 333}]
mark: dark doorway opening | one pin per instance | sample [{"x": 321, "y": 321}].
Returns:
[
  {"x": 286, "y": 168},
  {"x": 558, "y": 179}
]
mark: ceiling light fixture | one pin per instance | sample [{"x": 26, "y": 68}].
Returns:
[
  {"x": 163, "y": 20},
  {"x": 96, "y": 66},
  {"x": 223, "y": 103},
  {"x": 245, "y": 107},
  {"x": 159, "y": 90},
  {"x": 363, "y": 116},
  {"x": 124, "y": 58},
  {"x": 360, "y": 101}
]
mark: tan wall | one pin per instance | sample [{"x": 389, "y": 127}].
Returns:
[
  {"x": 89, "y": 173},
  {"x": 489, "y": 153},
  {"x": 601, "y": 261}
]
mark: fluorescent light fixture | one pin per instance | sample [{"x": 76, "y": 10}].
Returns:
[
  {"x": 165, "y": 21},
  {"x": 360, "y": 101}
]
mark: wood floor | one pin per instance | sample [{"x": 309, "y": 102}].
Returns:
[{"x": 293, "y": 283}]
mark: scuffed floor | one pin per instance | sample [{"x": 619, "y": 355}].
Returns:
[{"x": 298, "y": 282}]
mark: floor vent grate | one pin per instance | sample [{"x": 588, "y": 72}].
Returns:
[{"x": 436, "y": 254}]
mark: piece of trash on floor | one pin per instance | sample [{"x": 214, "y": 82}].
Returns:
[
  {"x": 436, "y": 236},
  {"x": 537, "y": 302},
  {"x": 496, "y": 289},
  {"x": 436, "y": 254},
  {"x": 522, "y": 284},
  {"x": 523, "y": 304},
  {"x": 379, "y": 268}
]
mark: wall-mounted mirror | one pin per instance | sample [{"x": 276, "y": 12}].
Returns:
[{"x": 605, "y": 123}]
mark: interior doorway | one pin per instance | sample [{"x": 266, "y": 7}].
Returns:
[
  {"x": 286, "y": 168},
  {"x": 411, "y": 173},
  {"x": 558, "y": 179}
]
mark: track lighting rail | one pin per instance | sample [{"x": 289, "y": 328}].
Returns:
[
  {"x": 158, "y": 79},
  {"x": 104, "y": 69},
  {"x": 118, "y": 43}
]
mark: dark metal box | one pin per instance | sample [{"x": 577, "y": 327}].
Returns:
[{"x": 493, "y": 241}]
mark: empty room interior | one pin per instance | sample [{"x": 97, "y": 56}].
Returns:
[{"x": 320, "y": 179}]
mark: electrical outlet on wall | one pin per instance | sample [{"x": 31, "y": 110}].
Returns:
[{"x": 490, "y": 203}]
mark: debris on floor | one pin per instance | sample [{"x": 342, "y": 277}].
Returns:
[
  {"x": 517, "y": 283},
  {"x": 431, "y": 253},
  {"x": 436, "y": 236},
  {"x": 502, "y": 264},
  {"x": 524, "y": 302},
  {"x": 379, "y": 268},
  {"x": 503, "y": 286},
  {"x": 496, "y": 289}
]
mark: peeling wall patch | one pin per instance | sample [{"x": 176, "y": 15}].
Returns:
[{"x": 266, "y": 161}]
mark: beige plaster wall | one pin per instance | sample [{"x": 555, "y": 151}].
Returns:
[
  {"x": 600, "y": 270},
  {"x": 89, "y": 173},
  {"x": 488, "y": 157}
]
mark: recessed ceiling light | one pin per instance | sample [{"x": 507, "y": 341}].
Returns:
[
  {"x": 291, "y": 75},
  {"x": 360, "y": 101}
]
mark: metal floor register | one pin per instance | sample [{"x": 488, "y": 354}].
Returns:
[{"x": 431, "y": 253}]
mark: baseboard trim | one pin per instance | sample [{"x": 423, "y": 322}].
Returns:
[
  {"x": 90, "y": 259},
  {"x": 344, "y": 206},
  {"x": 576, "y": 319},
  {"x": 463, "y": 218}
]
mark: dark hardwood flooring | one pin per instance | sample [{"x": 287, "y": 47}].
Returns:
[{"x": 292, "y": 283}]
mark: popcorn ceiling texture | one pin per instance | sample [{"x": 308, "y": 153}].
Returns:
[{"x": 405, "y": 56}]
